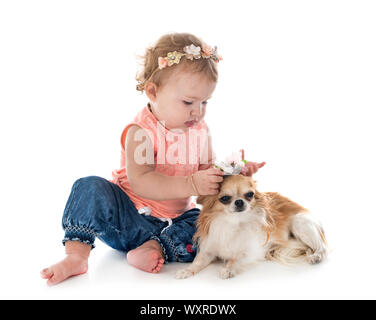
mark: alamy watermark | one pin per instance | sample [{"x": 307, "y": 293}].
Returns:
[{"x": 175, "y": 146}]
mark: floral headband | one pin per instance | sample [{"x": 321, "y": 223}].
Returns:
[{"x": 190, "y": 52}]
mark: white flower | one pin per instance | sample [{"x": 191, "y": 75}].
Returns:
[
  {"x": 235, "y": 159},
  {"x": 232, "y": 165},
  {"x": 227, "y": 169},
  {"x": 193, "y": 50}
]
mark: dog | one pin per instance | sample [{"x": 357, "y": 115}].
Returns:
[{"x": 241, "y": 226}]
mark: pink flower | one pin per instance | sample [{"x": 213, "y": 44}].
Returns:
[
  {"x": 162, "y": 62},
  {"x": 206, "y": 49}
]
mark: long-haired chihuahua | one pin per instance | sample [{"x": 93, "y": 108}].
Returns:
[{"x": 242, "y": 226}]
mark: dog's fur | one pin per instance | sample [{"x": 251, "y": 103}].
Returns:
[{"x": 267, "y": 227}]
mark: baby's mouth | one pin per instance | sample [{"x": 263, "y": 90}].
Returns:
[{"x": 190, "y": 123}]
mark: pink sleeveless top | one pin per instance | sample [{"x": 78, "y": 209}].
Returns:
[{"x": 167, "y": 160}]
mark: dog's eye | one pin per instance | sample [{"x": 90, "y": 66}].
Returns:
[
  {"x": 249, "y": 194},
  {"x": 225, "y": 199}
]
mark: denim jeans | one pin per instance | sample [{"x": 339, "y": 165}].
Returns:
[{"x": 98, "y": 208}]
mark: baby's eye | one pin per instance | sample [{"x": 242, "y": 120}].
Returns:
[
  {"x": 189, "y": 103},
  {"x": 225, "y": 199}
]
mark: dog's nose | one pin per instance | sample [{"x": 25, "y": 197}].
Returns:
[{"x": 239, "y": 203}]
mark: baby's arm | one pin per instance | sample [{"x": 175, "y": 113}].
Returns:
[{"x": 143, "y": 179}]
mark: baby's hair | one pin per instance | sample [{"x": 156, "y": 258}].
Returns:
[{"x": 150, "y": 71}]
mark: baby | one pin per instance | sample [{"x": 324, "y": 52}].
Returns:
[{"x": 146, "y": 210}]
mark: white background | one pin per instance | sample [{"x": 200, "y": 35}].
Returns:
[{"x": 296, "y": 89}]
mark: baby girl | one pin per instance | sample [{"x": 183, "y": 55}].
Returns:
[{"x": 146, "y": 210}]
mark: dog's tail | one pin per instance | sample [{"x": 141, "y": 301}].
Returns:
[
  {"x": 307, "y": 242},
  {"x": 293, "y": 252}
]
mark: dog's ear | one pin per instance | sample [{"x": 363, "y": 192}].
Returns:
[
  {"x": 206, "y": 201},
  {"x": 253, "y": 182}
]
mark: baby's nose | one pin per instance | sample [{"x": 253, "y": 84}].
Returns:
[{"x": 198, "y": 110}]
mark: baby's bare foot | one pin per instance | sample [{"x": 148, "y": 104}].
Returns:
[
  {"x": 72, "y": 265},
  {"x": 147, "y": 257}
]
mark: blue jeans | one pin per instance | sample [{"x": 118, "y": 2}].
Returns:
[{"x": 98, "y": 208}]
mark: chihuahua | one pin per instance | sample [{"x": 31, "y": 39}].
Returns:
[{"x": 241, "y": 226}]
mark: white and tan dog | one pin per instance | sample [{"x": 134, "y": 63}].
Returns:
[{"x": 242, "y": 226}]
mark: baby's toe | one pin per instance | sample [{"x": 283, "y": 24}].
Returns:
[
  {"x": 159, "y": 265},
  {"x": 53, "y": 280},
  {"x": 56, "y": 278},
  {"x": 46, "y": 273},
  {"x": 157, "y": 268}
]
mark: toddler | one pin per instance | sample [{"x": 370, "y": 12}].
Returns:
[{"x": 146, "y": 210}]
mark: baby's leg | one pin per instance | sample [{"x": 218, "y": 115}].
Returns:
[
  {"x": 176, "y": 239},
  {"x": 75, "y": 263},
  {"x": 99, "y": 208},
  {"x": 79, "y": 234},
  {"x": 171, "y": 243}
]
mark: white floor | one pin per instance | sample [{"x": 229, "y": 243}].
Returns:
[
  {"x": 31, "y": 233},
  {"x": 343, "y": 276}
]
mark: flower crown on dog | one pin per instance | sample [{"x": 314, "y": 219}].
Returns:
[
  {"x": 191, "y": 52},
  {"x": 233, "y": 164}
]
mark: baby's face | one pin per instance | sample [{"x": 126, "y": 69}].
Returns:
[{"x": 183, "y": 99}]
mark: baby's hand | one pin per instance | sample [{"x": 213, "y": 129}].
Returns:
[
  {"x": 207, "y": 181},
  {"x": 251, "y": 168}
]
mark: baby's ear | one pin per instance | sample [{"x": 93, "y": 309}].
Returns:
[{"x": 207, "y": 202}]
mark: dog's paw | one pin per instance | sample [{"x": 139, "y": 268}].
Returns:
[
  {"x": 226, "y": 273},
  {"x": 183, "y": 274},
  {"x": 316, "y": 257}
]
